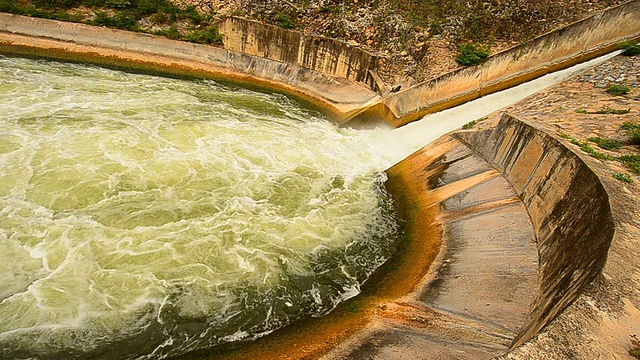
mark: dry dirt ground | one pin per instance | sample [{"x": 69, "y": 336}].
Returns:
[{"x": 571, "y": 110}]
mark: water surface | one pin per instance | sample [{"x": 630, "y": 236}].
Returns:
[{"x": 143, "y": 216}]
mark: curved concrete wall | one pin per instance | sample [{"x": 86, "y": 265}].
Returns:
[
  {"x": 573, "y": 44},
  {"x": 568, "y": 206},
  {"x": 326, "y": 86},
  {"x": 321, "y": 54}
]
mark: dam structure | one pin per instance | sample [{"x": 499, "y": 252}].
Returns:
[{"x": 515, "y": 244}]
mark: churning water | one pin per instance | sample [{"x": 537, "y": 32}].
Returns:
[{"x": 143, "y": 216}]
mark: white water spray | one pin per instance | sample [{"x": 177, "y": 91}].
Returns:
[{"x": 402, "y": 142}]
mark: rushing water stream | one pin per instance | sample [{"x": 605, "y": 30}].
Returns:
[{"x": 143, "y": 216}]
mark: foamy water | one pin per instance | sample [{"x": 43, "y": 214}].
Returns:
[{"x": 143, "y": 216}]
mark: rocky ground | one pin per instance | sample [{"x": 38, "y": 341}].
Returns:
[
  {"x": 581, "y": 110},
  {"x": 416, "y": 40}
]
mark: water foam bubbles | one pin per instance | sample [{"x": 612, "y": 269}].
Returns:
[{"x": 142, "y": 217}]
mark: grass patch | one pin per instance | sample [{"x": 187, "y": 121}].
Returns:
[
  {"x": 472, "y": 54},
  {"x": 171, "y": 33},
  {"x": 633, "y": 131},
  {"x": 618, "y": 89},
  {"x": 123, "y": 14},
  {"x": 469, "y": 125},
  {"x": 631, "y": 161},
  {"x": 581, "y": 111},
  {"x": 630, "y": 47},
  {"x": 587, "y": 148},
  {"x": 611, "y": 111},
  {"x": 287, "y": 19},
  {"x": 473, "y": 123},
  {"x": 564, "y": 135},
  {"x": 607, "y": 144},
  {"x": 209, "y": 36},
  {"x": 622, "y": 177}
]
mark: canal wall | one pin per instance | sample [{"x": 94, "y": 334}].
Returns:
[
  {"x": 328, "y": 73},
  {"x": 568, "y": 206},
  {"x": 559, "y": 49},
  {"x": 321, "y": 54}
]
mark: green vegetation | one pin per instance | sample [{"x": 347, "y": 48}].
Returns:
[
  {"x": 472, "y": 54},
  {"x": 618, "y": 89},
  {"x": 209, "y": 36},
  {"x": 633, "y": 131},
  {"x": 607, "y": 144},
  {"x": 126, "y": 15},
  {"x": 631, "y": 161},
  {"x": 564, "y": 135},
  {"x": 608, "y": 111},
  {"x": 469, "y": 125},
  {"x": 586, "y": 147},
  {"x": 611, "y": 111},
  {"x": 287, "y": 19},
  {"x": 473, "y": 123},
  {"x": 622, "y": 177},
  {"x": 630, "y": 47}
]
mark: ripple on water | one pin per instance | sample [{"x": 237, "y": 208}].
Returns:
[{"x": 144, "y": 216}]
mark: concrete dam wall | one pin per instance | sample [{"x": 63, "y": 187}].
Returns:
[
  {"x": 321, "y": 54},
  {"x": 559, "y": 49},
  {"x": 516, "y": 167},
  {"x": 325, "y": 72},
  {"x": 568, "y": 206}
]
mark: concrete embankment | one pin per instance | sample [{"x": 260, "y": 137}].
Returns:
[
  {"x": 327, "y": 86},
  {"x": 526, "y": 226},
  {"x": 559, "y": 49}
]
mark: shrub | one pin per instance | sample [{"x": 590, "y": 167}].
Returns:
[
  {"x": 613, "y": 111},
  {"x": 607, "y": 144},
  {"x": 209, "y": 36},
  {"x": 286, "y": 19},
  {"x": 633, "y": 131},
  {"x": 584, "y": 146},
  {"x": 171, "y": 33},
  {"x": 622, "y": 177},
  {"x": 630, "y": 48},
  {"x": 631, "y": 161},
  {"x": 471, "y": 54},
  {"x": 618, "y": 89},
  {"x": 635, "y": 136},
  {"x": 469, "y": 125}
]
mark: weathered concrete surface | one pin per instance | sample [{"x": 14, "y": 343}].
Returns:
[
  {"x": 321, "y": 54},
  {"x": 573, "y": 44},
  {"x": 339, "y": 97},
  {"x": 475, "y": 297},
  {"x": 568, "y": 206}
]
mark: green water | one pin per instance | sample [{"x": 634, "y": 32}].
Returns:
[{"x": 142, "y": 217}]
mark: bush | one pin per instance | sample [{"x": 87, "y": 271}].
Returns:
[
  {"x": 631, "y": 161},
  {"x": 617, "y": 90},
  {"x": 286, "y": 19},
  {"x": 607, "y": 144},
  {"x": 630, "y": 48},
  {"x": 171, "y": 33},
  {"x": 622, "y": 177},
  {"x": 471, "y": 54},
  {"x": 120, "y": 21},
  {"x": 209, "y": 36}
]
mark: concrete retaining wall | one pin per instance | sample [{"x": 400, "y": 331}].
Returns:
[
  {"x": 573, "y": 44},
  {"x": 568, "y": 206},
  {"x": 321, "y": 54},
  {"x": 339, "y": 96}
]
